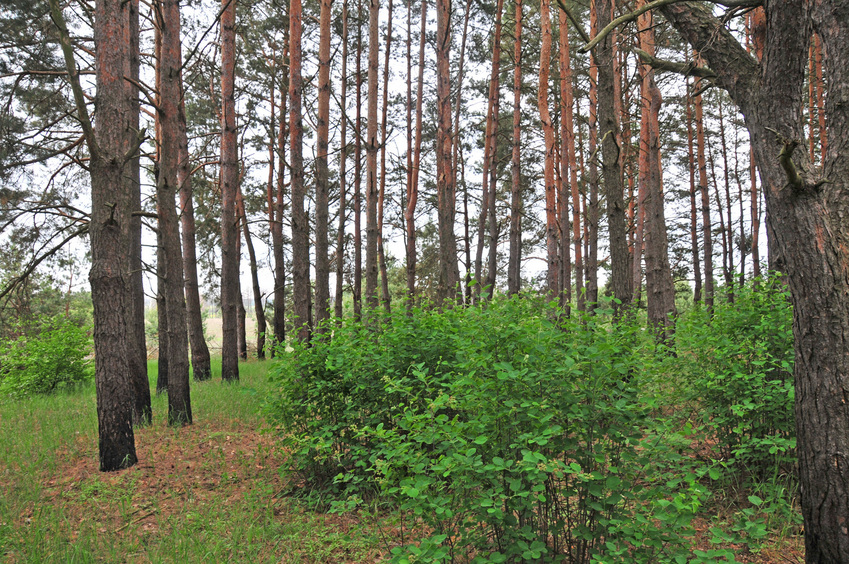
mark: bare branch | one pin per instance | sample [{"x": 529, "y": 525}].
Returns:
[
  {"x": 686, "y": 69},
  {"x": 16, "y": 281},
  {"x": 73, "y": 76}
]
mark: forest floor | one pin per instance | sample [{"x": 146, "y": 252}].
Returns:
[{"x": 209, "y": 492}]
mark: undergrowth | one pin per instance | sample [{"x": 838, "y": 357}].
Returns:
[{"x": 511, "y": 433}]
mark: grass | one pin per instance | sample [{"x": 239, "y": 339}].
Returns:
[{"x": 209, "y": 492}]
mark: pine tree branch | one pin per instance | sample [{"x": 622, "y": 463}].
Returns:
[
  {"x": 686, "y": 69},
  {"x": 73, "y": 77},
  {"x": 632, "y": 16}
]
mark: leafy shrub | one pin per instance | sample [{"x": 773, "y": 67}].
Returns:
[
  {"x": 508, "y": 437},
  {"x": 56, "y": 356},
  {"x": 740, "y": 364}
]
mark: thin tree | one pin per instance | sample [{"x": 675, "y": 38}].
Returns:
[
  {"x": 371, "y": 155},
  {"x": 515, "y": 257},
  {"x": 551, "y": 224},
  {"x": 608, "y": 130},
  {"x": 300, "y": 222},
  {"x": 142, "y": 411},
  {"x": 415, "y": 162},
  {"x": 384, "y": 128},
  {"x": 168, "y": 109},
  {"x": 259, "y": 310},
  {"x": 229, "y": 188},
  {"x": 322, "y": 173},
  {"x": 449, "y": 274},
  {"x": 707, "y": 227},
  {"x": 343, "y": 165}
]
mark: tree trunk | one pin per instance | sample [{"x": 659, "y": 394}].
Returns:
[
  {"x": 371, "y": 156},
  {"x": 551, "y": 226},
  {"x": 275, "y": 216},
  {"x": 569, "y": 167},
  {"x": 322, "y": 174},
  {"x": 514, "y": 266},
  {"x": 201, "y": 366},
  {"x": 259, "y": 311},
  {"x": 707, "y": 227},
  {"x": 694, "y": 227},
  {"x": 381, "y": 256},
  {"x": 592, "y": 206},
  {"x": 109, "y": 224},
  {"x": 449, "y": 274},
  {"x": 358, "y": 172},
  {"x": 343, "y": 166},
  {"x": 456, "y": 165},
  {"x": 808, "y": 220},
  {"x": 300, "y": 222},
  {"x": 608, "y": 130},
  {"x": 229, "y": 188},
  {"x": 142, "y": 411},
  {"x": 170, "y": 94}
]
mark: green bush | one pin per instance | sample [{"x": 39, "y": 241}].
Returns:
[
  {"x": 740, "y": 365},
  {"x": 56, "y": 356},
  {"x": 508, "y": 437}
]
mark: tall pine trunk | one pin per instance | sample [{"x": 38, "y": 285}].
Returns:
[
  {"x": 229, "y": 187},
  {"x": 449, "y": 274},
  {"x": 322, "y": 174},
  {"x": 514, "y": 265},
  {"x": 170, "y": 90},
  {"x": 300, "y": 222}
]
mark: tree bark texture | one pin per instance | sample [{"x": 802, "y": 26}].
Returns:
[
  {"x": 514, "y": 266},
  {"x": 371, "y": 156},
  {"x": 807, "y": 210},
  {"x": 142, "y": 411},
  {"x": 170, "y": 90},
  {"x": 552, "y": 233},
  {"x": 300, "y": 221},
  {"x": 449, "y": 274},
  {"x": 322, "y": 174},
  {"x": 229, "y": 188},
  {"x": 610, "y": 139}
]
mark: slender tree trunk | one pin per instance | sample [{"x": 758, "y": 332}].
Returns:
[
  {"x": 322, "y": 174},
  {"x": 514, "y": 267},
  {"x": 694, "y": 228},
  {"x": 276, "y": 210},
  {"x": 161, "y": 318},
  {"x": 707, "y": 227},
  {"x": 170, "y": 90},
  {"x": 229, "y": 188},
  {"x": 142, "y": 411},
  {"x": 551, "y": 226},
  {"x": 492, "y": 259},
  {"x": 820, "y": 83},
  {"x": 455, "y": 161},
  {"x": 569, "y": 176},
  {"x": 410, "y": 266},
  {"x": 730, "y": 269},
  {"x": 413, "y": 185},
  {"x": 300, "y": 222},
  {"x": 259, "y": 311},
  {"x": 620, "y": 264},
  {"x": 343, "y": 169},
  {"x": 201, "y": 365},
  {"x": 371, "y": 156},
  {"x": 358, "y": 172},
  {"x": 592, "y": 207},
  {"x": 449, "y": 275},
  {"x": 381, "y": 255}
]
